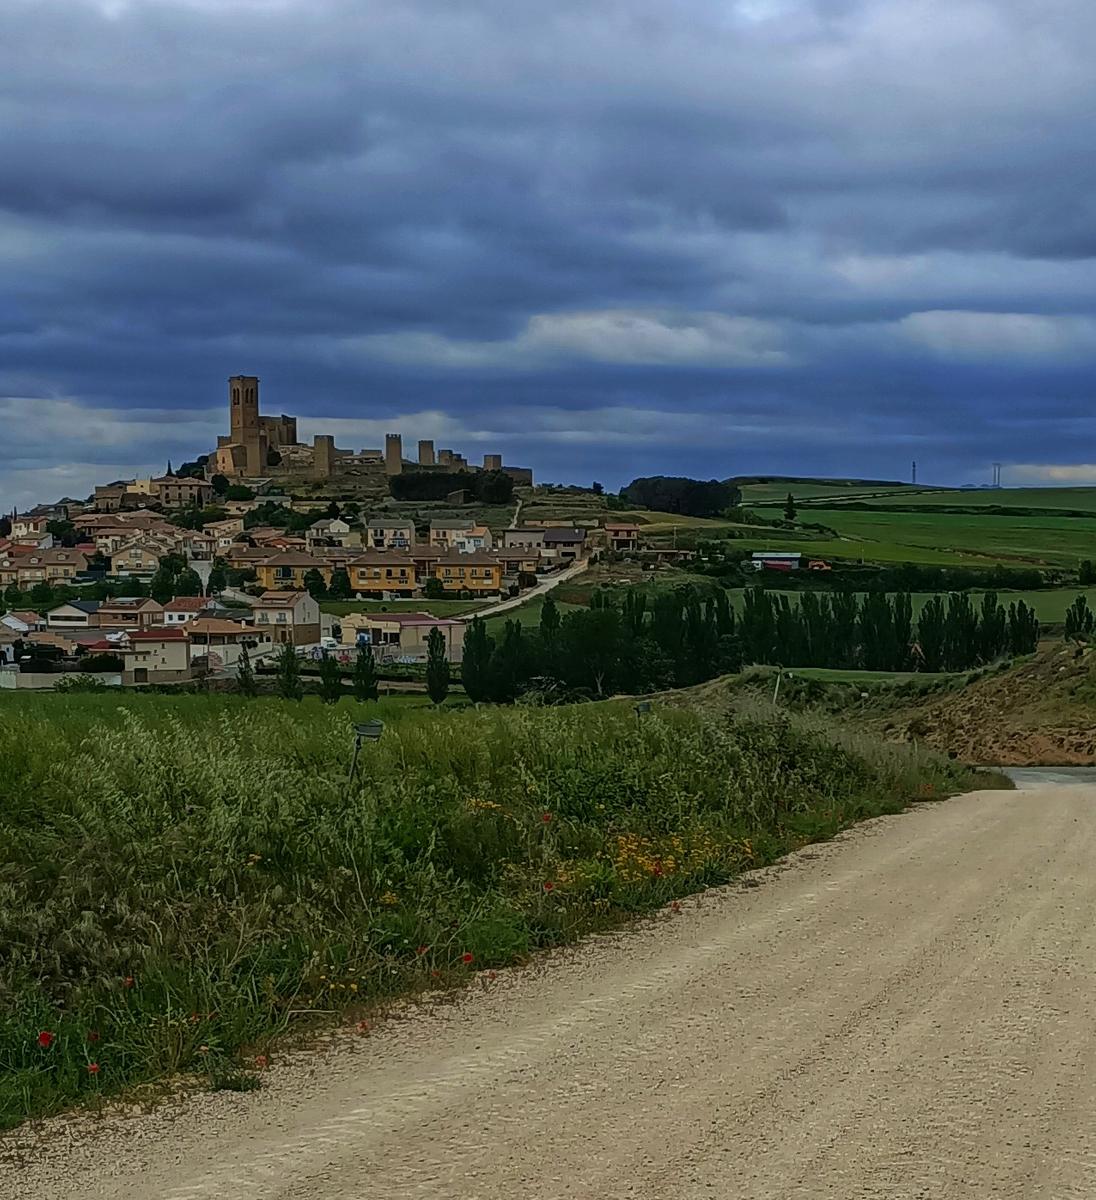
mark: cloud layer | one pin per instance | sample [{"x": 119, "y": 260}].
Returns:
[{"x": 808, "y": 235}]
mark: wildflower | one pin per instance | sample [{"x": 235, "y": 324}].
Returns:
[
  {"x": 127, "y": 982},
  {"x": 93, "y": 1035},
  {"x": 93, "y": 1068},
  {"x": 363, "y": 1027},
  {"x": 195, "y": 1018},
  {"x": 45, "y": 1039},
  {"x": 261, "y": 1061},
  {"x": 435, "y": 974},
  {"x": 492, "y": 975},
  {"x": 467, "y": 957},
  {"x": 203, "y": 1049},
  {"x": 421, "y": 950},
  {"x": 546, "y": 817},
  {"x": 675, "y": 906},
  {"x": 390, "y": 899},
  {"x": 353, "y": 987},
  {"x": 549, "y": 885}
]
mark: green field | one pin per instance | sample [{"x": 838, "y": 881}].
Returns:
[
  {"x": 1077, "y": 498},
  {"x": 186, "y": 878},
  {"x": 526, "y": 615},
  {"x": 1029, "y": 541}
]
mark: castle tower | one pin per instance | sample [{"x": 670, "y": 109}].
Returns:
[
  {"x": 393, "y": 454},
  {"x": 492, "y": 462},
  {"x": 323, "y": 456},
  {"x": 426, "y": 454},
  {"x": 244, "y": 425}
]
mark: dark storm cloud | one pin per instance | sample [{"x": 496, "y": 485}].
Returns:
[{"x": 717, "y": 235}]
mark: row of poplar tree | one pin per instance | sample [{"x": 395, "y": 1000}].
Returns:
[{"x": 679, "y": 638}]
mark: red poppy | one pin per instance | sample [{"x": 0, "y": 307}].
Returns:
[
  {"x": 549, "y": 885},
  {"x": 675, "y": 906},
  {"x": 128, "y": 981},
  {"x": 261, "y": 1061},
  {"x": 93, "y": 1068},
  {"x": 491, "y": 975},
  {"x": 467, "y": 957},
  {"x": 363, "y": 1026},
  {"x": 546, "y": 817},
  {"x": 421, "y": 950},
  {"x": 435, "y": 974},
  {"x": 93, "y": 1035},
  {"x": 656, "y": 869},
  {"x": 45, "y": 1039}
]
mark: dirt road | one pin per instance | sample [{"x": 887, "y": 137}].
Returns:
[{"x": 907, "y": 1012}]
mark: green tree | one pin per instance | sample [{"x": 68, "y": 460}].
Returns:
[
  {"x": 932, "y": 634},
  {"x": 314, "y": 584},
  {"x": 1079, "y": 620},
  {"x": 365, "y": 674},
  {"x": 433, "y": 588},
  {"x": 245, "y": 675},
  {"x": 218, "y": 578},
  {"x": 289, "y": 673},
  {"x": 1023, "y": 629},
  {"x": 188, "y": 583},
  {"x": 219, "y": 484},
  {"x": 12, "y": 595},
  {"x": 41, "y": 595},
  {"x": 331, "y": 688},
  {"x": 237, "y": 491},
  {"x": 790, "y": 511},
  {"x": 1086, "y": 576},
  {"x": 437, "y": 667},
  {"x": 340, "y": 588},
  {"x": 161, "y": 586},
  {"x": 476, "y": 660},
  {"x": 549, "y": 621}
]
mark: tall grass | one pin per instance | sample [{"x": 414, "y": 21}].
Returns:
[{"x": 183, "y": 878}]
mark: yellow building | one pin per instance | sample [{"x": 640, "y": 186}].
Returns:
[
  {"x": 286, "y": 570},
  {"x": 383, "y": 571},
  {"x": 477, "y": 572}
]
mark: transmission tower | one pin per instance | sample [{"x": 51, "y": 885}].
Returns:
[{"x": 996, "y": 475}]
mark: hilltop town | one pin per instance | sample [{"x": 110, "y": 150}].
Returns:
[{"x": 160, "y": 579}]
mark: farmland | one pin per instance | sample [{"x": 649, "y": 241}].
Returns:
[
  {"x": 186, "y": 878},
  {"x": 436, "y": 608}
]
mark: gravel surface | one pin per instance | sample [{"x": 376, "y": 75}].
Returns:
[{"x": 906, "y": 1012}]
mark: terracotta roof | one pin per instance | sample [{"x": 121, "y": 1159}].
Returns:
[
  {"x": 279, "y": 599},
  {"x": 289, "y": 559},
  {"x": 187, "y": 604},
  {"x": 215, "y": 625},
  {"x": 477, "y": 558},
  {"x": 26, "y": 616},
  {"x": 372, "y": 558},
  {"x": 165, "y": 633},
  {"x": 416, "y": 618}
]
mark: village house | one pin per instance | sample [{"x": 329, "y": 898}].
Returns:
[
  {"x": 45, "y": 566},
  {"x": 225, "y": 532},
  {"x": 184, "y": 609},
  {"x": 477, "y": 538},
  {"x": 402, "y": 636},
  {"x": 286, "y": 570},
  {"x": 155, "y": 656},
  {"x": 443, "y": 534},
  {"x": 73, "y": 615},
  {"x": 623, "y": 537},
  {"x": 288, "y": 616},
  {"x": 332, "y": 531},
  {"x": 564, "y": 545},
  {"x": 529, "y": 538},
  {"x": 479, "y": 573},
  {"x": 23, "y": 621},
  {"x": 30, "y": 528},
  {"x": 173, "y": 491},
  {"x": 140, "y": 557},
  {"x": 221, "y": 641},
  {"x": 389, "y": 533},
  {"x": 130, "y": 613},
  {"x": 383, "y": 571},
  {"x": 517, "y": 562}
]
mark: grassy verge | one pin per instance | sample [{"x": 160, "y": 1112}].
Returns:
[
  {"x": 436, "y": 608},
  {"x": 184, "y": 879}
]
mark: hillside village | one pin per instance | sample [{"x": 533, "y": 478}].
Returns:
[{"x": 164, "y": 601}]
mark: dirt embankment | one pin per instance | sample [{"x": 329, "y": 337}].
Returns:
[{"x": 1040, "y": 713}]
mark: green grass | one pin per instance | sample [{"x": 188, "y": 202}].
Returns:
[
  {"x": 183, "y": 879},
  {"x": 813, "y": 489},
  {"x": 527, "y": 615},
  {"x": 1038, "y": 541},
  {"x": 436, "y": 608}
]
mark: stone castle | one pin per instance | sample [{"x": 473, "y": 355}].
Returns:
[{"x": 260, "y": 447}]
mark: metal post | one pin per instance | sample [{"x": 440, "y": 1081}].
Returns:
[{"x": 367, "y": 731}]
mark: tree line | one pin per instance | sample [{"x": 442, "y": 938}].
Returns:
[{"x": 680, "y": 638}]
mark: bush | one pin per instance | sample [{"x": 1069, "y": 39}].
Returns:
[{"x": 182, "y": 872}]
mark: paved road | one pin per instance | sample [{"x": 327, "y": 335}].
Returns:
[
  {"x": 909, "y": 1012},
  {"x": 542, "y": 589}
]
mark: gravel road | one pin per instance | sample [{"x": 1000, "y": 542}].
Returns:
[{"x": 909, "y": 1011}]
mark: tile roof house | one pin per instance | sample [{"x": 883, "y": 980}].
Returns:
[
  {"x": 289, "y": 616},
  {"x": 74, "y": 614},
  {"x": 130, "y": 613},
  {"x": 286, "y": 569}
]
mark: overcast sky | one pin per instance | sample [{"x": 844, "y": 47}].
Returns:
[{"x": 710, "y": 237}]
